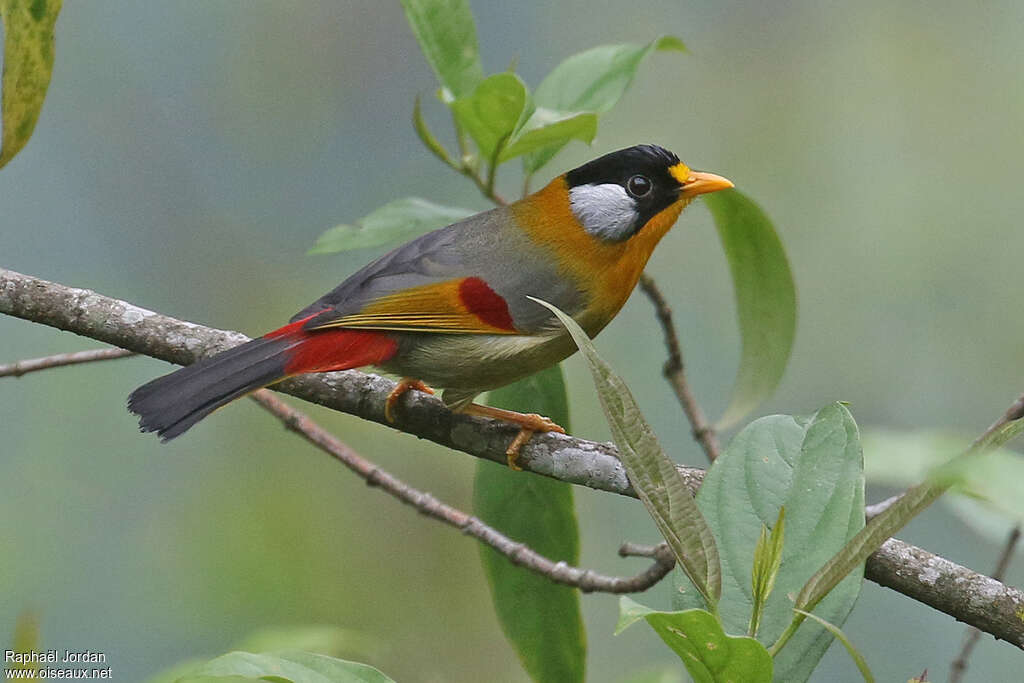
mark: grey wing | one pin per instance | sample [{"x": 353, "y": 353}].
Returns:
[{"x": 486, "y": 246}]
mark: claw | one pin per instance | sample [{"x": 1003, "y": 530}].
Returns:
[
  {"x": 528, "y": 423},
  {"x": 512, "y": 452},
  {"x": 406, "y": 384}
]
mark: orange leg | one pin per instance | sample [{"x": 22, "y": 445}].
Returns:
[
  {"x": 403, "y": 386},
  {"x": 528, "y": 424}
]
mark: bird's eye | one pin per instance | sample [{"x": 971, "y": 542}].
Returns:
[{"x": 639, "y": 186}]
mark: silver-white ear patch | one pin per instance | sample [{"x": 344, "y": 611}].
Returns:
[{"x": 604, "y": 210}]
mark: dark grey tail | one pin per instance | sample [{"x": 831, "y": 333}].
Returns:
[{"x": 169, "y": 405}]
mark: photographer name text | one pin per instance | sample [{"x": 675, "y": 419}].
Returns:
[{"x": 53, "y": 656}]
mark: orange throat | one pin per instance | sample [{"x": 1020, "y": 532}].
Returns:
[{"x": 606, "y": 271}]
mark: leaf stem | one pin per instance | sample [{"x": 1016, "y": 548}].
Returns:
[
  {"x": 492, "y": 170},
  {"x": 486, "y": 189},
  {"x": 427, "y": 138},
  {"x": 492, "y": 173},
  {"x": 787, "y": 634},
  {"x": 460, "y": 142},
  {"x": 755, "y": 619}
]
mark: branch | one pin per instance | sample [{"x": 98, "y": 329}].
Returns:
[
  {"x": 959, "y": 665},
  {"x": 970, "y": 597},
  {"x": 34, "y": 364},
  {"x": 122, "y": 324},
  {"x": 966, "y": 595},
  {"x": 674, "y": 371},
  {"x": 586, "y": 580}
]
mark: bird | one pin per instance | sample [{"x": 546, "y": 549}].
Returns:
[{"x": 454, "y": 308}]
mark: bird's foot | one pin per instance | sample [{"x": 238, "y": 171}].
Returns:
[
  {"x": 406, "y": 384},
  {"x": 528, "y": 424}
]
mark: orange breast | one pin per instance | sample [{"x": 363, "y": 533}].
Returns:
[{"x": 606, "y": 271}]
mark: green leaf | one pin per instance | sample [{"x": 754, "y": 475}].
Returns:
[
  {"x": 595, "y": 79},
  {"x": 652, "y": 474},
  {"x": 894, "y": 518},
  {"x": 321, "y": 639},
  {"x": 28, "y": 63},
  {"x": 396, "y": 221},
  {"x": 867, "y": 541},
  {"x": 709, "y": 655},
  {"x": 985, "y": 493},
  {"x": 293, "y": 667},
  {"x": 426, "y": 137},
  {"x": 765, "y": 299},
  {"x": 812, "y": 467},
  {"x": 541, "y": 619},
  {"x": 902, "y": 458},
  {"x": 592, "y": 81},
  {"x": 447, "y": 35},
  {"x": 858, "y": 658},
  {"x": 176, "y": 672},
  {"x": 548, "y": 126},
  {"x": 767, "y": 559},
  {"x": 493, "y": 112}
]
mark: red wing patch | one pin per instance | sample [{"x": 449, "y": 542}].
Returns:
[
  {"x": 486, "y": 304},
  {"x": 462, "y": 305}
]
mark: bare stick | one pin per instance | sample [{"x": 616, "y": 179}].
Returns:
[
  {"x": 34, "y": 364},
  {"x": 1014, "y": 412},
  {"x": 84, "y": 312},
  {"x": 518, "y": 553},
  {"x": 903, "y": 567},
  {"x": 639, "y": 550},
  {"x": 959, "y": 665},
  {"x": 965, "y": 595},
  {"x": 674, "y": 371}
]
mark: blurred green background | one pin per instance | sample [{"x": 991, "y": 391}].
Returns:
[{"x": 190, "y": 153}]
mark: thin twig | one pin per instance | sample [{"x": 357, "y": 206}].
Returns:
[
  {"x": 520, "y": 554},
  {"x": 959, "y": 665},
  {"x": 492, "y": 171},
  {"x": 638, "y": 550},
  {"x": 486, "y": 187},
  {"x": 34, "y": 364},
  {"x": 914, "y": 572},
  {"x": 468, "y": 168},
  {"x": 674, "y": 371},
  {"x": 1014, "y": 412},
  {"x": 460, "y": 140}
]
